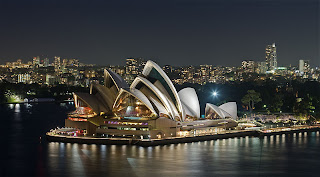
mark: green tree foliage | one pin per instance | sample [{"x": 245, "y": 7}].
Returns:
[
  {"x": 40, "y": 91},
  {"x": 251, "y": 98},
  {"x": 277, "y": 102},
  {"x": 304, "y": 106},
  {"x": 276, "y": 96}
]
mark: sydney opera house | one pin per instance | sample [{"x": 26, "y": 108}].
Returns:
[{"x": 150, "y": 107}]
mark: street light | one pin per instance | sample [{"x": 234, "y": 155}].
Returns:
[{"x": 215, "y": 93}]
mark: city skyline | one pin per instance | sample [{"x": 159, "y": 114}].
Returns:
[
  {"x": 217, "y": 33},
  {"x": 45, "y": 60},
  {"x": 160, "y": 87},
  {"x": 73, "y": 72}
]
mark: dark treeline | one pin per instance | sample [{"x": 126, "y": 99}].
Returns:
[
  {"x": 300, "y": 98},
  {"x": 296, "y": 97},
  {"x": 39, "y": 91}
]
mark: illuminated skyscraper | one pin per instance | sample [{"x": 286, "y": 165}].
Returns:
[
  {"x": 304, "y": 67},
  {"x": 261, "y": 67},
  {"x": 248, "y": 66},
  {"x": 19, "y": 62},
  {"x": 131, "y": 66},
  {"x": 57, "y": 64},
  {"x": 205, "y": 72},
  {"x": 140, "y": 64},
  {"x": 271, "y": 57},
  {"x": 36, "y": 61},
  {"x": 132, "y": 69},
  {"x": 46, "y": 62},
  {"x": 64, "y": 65},
  {"x": 73, "y": 62},
  {"x": 24, "y": 78}
]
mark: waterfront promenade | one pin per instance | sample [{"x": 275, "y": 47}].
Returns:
[{"x": 186, "y": 139}]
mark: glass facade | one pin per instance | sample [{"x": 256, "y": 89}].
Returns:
[
  {"x": 211, "y": 114},
  {"x": 129, "y": 106},
  {"x": 83, "y": 108}
]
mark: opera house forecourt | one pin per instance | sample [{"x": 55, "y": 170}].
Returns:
[{"x": 150, "y": 108}]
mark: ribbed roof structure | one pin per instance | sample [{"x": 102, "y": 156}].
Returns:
[{"x": 151, "y": 94}]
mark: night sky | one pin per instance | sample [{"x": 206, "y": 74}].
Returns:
[{"x": 175, "y": 32}]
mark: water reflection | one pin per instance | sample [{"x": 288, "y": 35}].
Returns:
[
  {"x": 27, "y": 105},
  {"x": 11, "y": 106},
  {"x": 17, "y": 108},
  {"x": 230, "y": 157},
  {"x": 282, "y": 155}
]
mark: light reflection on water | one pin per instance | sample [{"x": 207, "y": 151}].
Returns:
[
  {"x": 281, "y": 155},
  {"x": 275, "y": 155},
  {"x": 11, "y": 106},
  {"x": 17, "y": 108}
]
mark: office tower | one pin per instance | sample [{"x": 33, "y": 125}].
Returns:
[
  {"x": 36, "y": 61},
  {"x": 131, "y": 66},
  {"x": 24, "y": 78},
  {"x": 271, "y": 57},
  {"x": 57, "y": 64},
  {"x": 304, "y": 66},
  {"x": 132, "y": 69},
  {"x": 205, "y": 72},
  {"x": 19, "y": 62},
  {"x": 51, "y": 79},
  {"x": 46, "y": 62},
  {"x": 73, "y": 62},
  {"x": 64, "y": 65},
  {"x": 262, "y": 67},
  {"x": 140, "y": 64},
  {"x": 248, "y": 66}
]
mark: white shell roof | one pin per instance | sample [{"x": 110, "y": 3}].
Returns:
[
  {"x": 189, "y": 98},
  {"x": 157, "y": 92},
  {"x": 92, "y": 102},
  {"x": 146, "y": 71},
  {"x": 221, "y": 112},
  {"x": 118, "y": 80},
  {"x": 188, "y": 111},
  {"x": 170, "y": 102},
  {"x": 159, "y": 106},
  {"x": 105, "y": 94},
  {"x": 231, "y": 108},
  {"x": 139, "y": 95}
]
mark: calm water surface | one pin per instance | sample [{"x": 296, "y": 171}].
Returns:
[{"x": 23, "y": 154}]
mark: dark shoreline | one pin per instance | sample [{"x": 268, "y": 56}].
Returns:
[{"x": 56, "y": 101}]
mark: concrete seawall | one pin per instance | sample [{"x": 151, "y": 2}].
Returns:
[
  {"x": 315, "y": 129},
  {"x": 177, "y": 140},
  {"x": 83, "y": 140},
  {"x": 174, "y": 140},
  {"x": 151, "y": 142}
]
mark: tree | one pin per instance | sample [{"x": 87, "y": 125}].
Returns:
[
  {"x": 304, "y": 107},
  {"x": 250, "y": 99},
  {"x": 277, "y": 103}
]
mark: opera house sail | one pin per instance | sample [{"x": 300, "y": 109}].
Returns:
[{"x": 150, "y": 107}]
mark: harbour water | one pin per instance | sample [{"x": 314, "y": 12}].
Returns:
[{"x": 25, "y": 154}]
